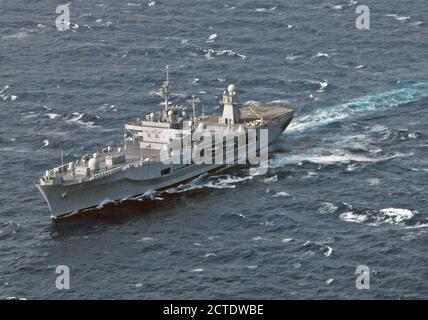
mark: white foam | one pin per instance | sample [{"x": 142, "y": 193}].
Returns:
[
  {"x": 265, "y": 9},
  {"x": 395, "y": 215},
  {"x": 281, "y": 194},
  {"x": 320, "y": 55},
  {"x": 210, "y": 53},
  {"x": 292, "y": 57},
  {"x": 389, "y": 215},
  {"x": 209, "y": 254},
  {"x": 259, "y": 238},
  {"x": 417, "y": 226},
  {"x": 398, "y": 18},
  {"x": 145, "y": 239},
  {"x": 45, "y": 143},
  {"x": 328, "y": 252},
  {"x": 373, "y": 181},
  {"x": 352, "y": 217},
  {"x": 52, "y": 115},
  {"x": 197, "y": 270},
  {"x": 77, "y": 118},
  {"x": 272, "y": 179},
  {"x": 329, "y": 281},
  {"x": 286, "y": 240},
  {"x": 327, "y": 208},
  {"x": 212, "y": 37},
  {"x": 323, "y": 85},
  {"x": 340, "y": 156},
  {"x": 361, "y": 105}
]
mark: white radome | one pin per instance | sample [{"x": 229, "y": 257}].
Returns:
[{"x": 231, "y": 88}]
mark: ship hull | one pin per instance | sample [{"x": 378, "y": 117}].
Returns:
[{"x": 65, "y": 200}]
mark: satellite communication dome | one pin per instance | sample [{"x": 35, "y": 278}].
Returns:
[
  {"x": 93, "y": 164},
  {"x": 231, "y": 88}
]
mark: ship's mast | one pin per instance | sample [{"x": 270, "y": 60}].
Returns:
[
  {"x": 194, "y": 107},
  {"x": 165, "y": 89}
]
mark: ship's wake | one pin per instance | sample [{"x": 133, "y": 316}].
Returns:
[{"x": 359, "y": 106}]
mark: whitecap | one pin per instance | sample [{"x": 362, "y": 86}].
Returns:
[
  {"x": 259, "y": 238},
  {"x": 151, "y": 3},
  {"x": 265, "y": 9},
  {"x": 394, "y": 215},
  {"x": 329, "y": 281},
  {"x": 281, "y": 194},
  {"x": 327, "y": 208},
  {"x": 52, "y": 115},
  {"x": 271, "y": 179},
  {"x": 4, "y": 88},
  {"x": 197, "y": 270},
  {"x": 373, "y": 181},
  {"x": 286, "y": 240},
  {"x": 292, "y": 57},
  {"x": 323, "y": 85},
  {"x": 212, "y": 37},
  {"x": 398, "y": 18},
  {"x": 352, "y": 217},
  {"x": 417, "y": 226},
  {"x": 209, "y": 254},
  {"x": 210, "y": 53},
  {"x": 320, "y": 55},
  {"x": 45, "y": 143},
  {"x": 328, "y": 252},
  {"x": 146, "y": 239}
]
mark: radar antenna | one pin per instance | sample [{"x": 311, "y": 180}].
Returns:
[{"x": 165, "y": 89}]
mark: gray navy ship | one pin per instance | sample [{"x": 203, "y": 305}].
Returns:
[{"x": 137, "y": 166}]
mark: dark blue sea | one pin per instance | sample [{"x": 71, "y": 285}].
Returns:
[{"x": 347, "y": 181}]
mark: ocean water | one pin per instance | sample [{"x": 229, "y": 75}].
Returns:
[{"x": 347, "y": 183}]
